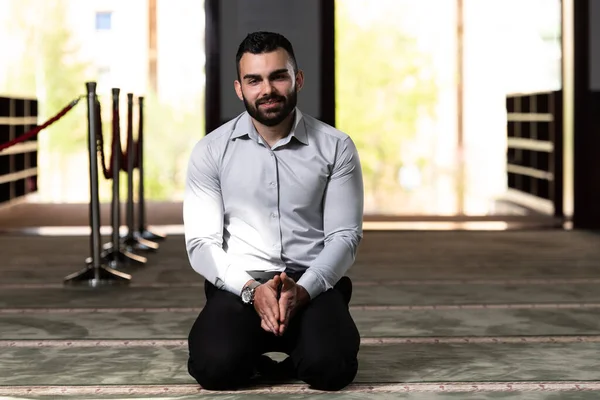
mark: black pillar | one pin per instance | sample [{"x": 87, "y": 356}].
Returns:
[
  {"x": 586, "y": 117},
  {"x": 212, "y": 91},
  {"x": 220, "y": 31}
]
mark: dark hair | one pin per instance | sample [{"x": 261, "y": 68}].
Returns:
[{"x": 264, "y": 42}]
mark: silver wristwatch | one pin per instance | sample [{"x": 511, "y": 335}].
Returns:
[{"x": 248, "y": 293}]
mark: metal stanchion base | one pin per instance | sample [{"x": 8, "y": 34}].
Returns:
[
  {"x": 120, "y": 258},
  {"x": 94, "y": 277},
  {"x": 137, "y": 243},
  {"x": 151, "y": 235}
]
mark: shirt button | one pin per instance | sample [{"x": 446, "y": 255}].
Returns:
[
  {"x": 273, "y": 184},
  {"x": 273, "y": 215}
]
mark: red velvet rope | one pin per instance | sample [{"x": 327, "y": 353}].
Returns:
[
  {"x": 127, "y": 151},
  {"x": 33, "y": 132},
  {"x": 116, "y": 128},
  {"x": 106, "y": 170}
]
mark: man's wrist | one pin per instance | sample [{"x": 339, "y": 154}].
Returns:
[
  {"x": 251, "y": 283},
  {"x": 312, "y": 283},
  {"x": 302, "y": 296}
]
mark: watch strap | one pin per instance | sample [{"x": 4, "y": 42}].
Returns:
[{"x": 254, "y": 284}]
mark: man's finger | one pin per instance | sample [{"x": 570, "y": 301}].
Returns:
[
  {"x": 274, "y": 324},
  {"x": 283, "y": 307},
  {"x": 276, "y": 281},
  {"x": 265, "y": 325},
  {"x": 272, "y": 315},
  {"x": 268, "y": 306},
  {"x": 282, "y": 328},
  {"x": 287, "y": 282},
  {"x": 264, "y": 322},
  {"x": 288, "y": 313},
  {"x": 269, "y": 322}
]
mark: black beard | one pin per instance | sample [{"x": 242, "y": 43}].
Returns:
[{"x": 273, "y": 118}]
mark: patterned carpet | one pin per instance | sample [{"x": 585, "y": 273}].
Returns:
[{"x": 442, "y": 315}]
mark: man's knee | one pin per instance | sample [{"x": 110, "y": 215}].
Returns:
[
  {"x": 219, "y": 371},
  {"x": 328, "y": 372}
]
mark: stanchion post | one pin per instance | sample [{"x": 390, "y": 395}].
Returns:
[
  {"x": 132, "y": 241},
  {"x": 94, "y": 196},
  {"x": 143, "y": 229},
  {"x": 114, "y": 254},
  {"x": 130, "y": 162},
  {"x": 116, "y": 168},
  {"x": 95, "y": 273}
]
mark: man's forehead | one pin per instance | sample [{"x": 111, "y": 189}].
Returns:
[{"x": 265, "y": 63}]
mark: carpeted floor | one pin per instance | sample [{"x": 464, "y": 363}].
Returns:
[{"x": 443, "y": 315}]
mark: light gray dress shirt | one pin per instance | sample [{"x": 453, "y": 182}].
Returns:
[{"x": 297, "y": 205}]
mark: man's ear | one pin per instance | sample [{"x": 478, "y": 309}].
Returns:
[
  {"x": 238, "y": 89},
  {"x": 299, "y": 80}
]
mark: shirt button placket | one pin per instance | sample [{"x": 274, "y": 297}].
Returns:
[{"x": 275, "y": 213}]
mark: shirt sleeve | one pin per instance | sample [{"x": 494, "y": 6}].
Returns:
[
  {"x": 343, "y": 206},
  {"x": 203, "y": 223}
]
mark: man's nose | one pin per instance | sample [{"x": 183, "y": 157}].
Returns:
[{"x": 267, "y": 87}]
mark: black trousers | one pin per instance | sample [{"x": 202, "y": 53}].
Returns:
[{"x": 227, "y": 340}]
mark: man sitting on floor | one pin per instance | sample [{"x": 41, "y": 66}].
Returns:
[{"x": 273, "y": 219}]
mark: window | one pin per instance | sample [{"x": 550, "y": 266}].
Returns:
[{"x": 103, "y": 20}]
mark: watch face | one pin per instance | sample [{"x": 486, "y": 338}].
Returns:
[{"x": 246, "y": 295}]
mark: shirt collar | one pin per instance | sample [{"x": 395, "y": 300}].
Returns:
[
  {"x": 299, "y": 128},
  {"x": 244, "y": 127}
]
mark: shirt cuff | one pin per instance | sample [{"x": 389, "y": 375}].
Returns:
[
  {"x": 235, "y": 281},
  {"x": 312, "y": 282}
]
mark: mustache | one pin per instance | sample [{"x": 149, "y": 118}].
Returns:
[{"x": 270, "y": 98}]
